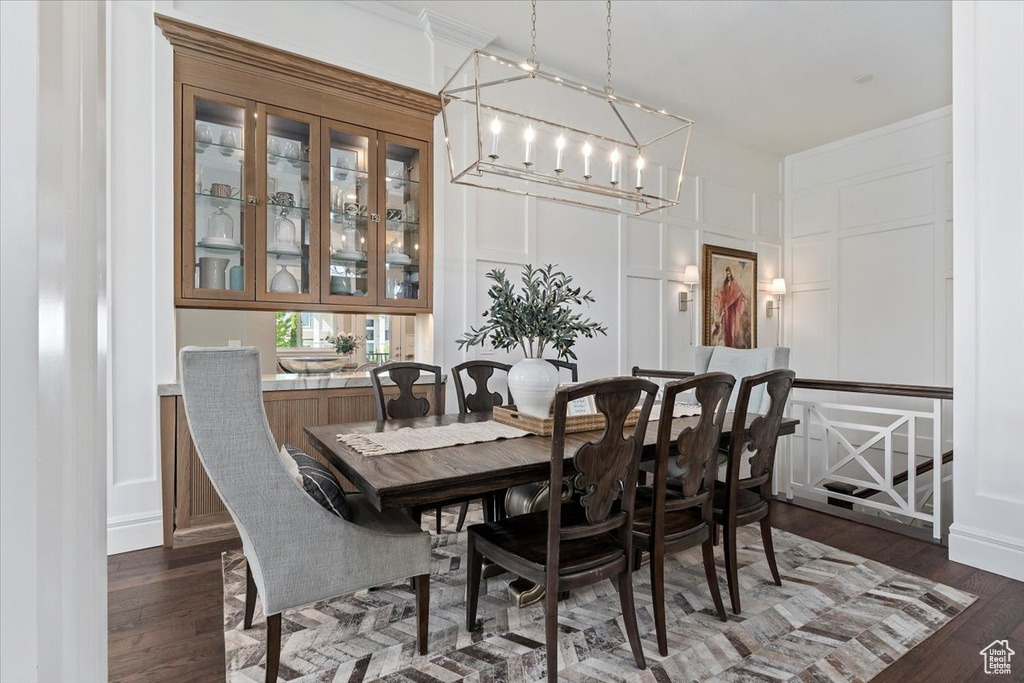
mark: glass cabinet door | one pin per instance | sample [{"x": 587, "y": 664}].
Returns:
[
  {"x": 217, "y": 219},
  {"x": 350, "y": 204},
  {"x": 288, "y": 224},
  {"x": 405, "y": 222}
]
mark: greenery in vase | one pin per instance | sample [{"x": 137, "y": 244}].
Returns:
[
  {"x": 539, "y": 317},
  {"x": 345, "y": 343},
  {"x": 287, "y": 330}
]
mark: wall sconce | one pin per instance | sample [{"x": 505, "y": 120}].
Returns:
[
  {"x": 778, "y": 289},
  {"x": 691, "y": 277}
]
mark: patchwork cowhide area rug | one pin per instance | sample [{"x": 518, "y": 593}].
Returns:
[{"x": 836, "y": 617}]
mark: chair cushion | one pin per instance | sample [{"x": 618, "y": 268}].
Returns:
[
  {"x": 677, "y": 522},
  {"x": 319, "y": 482},
  {"x": 527, "y": 537},
  {"x": 746, "y": 500}
]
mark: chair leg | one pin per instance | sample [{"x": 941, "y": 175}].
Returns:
[
  {"x": 273, "y": 646},
  {"x": 658, "y": 596},
  {"x": 769, "y": 548},
  {"x": 709, "y": 569},
  {"x": 250, "y": 597},
  {"x": 551, "y": 633},
  {"x": 463, "y": 511},
  {"x": 638, "y": 558},
  {"x": 731, "y": 568},
  {"x": 476, "y": 562},
  {"x": 629, "y": 617},
  {"x": 422, "y": 611},
  {"x": 438, "y": 521},
  {"x": 714, "y": 534}
]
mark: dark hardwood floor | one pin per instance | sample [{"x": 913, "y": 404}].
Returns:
[{"x": 165, "y": 614}]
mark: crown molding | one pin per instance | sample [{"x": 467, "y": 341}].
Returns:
[
  {"x": 208, "y": 43},
  {"x": 441, "y": 27}
]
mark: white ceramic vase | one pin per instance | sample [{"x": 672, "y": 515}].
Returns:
[{"x": 533, "y": 383}]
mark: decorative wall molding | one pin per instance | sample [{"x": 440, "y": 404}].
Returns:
[
  {"x": 987, "y": 549},
  {"x": 131, "y": 532},
  {"x": 437, "y": 26}
]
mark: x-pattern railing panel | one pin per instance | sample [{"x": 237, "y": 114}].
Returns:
[{"x": 822, "y": 467}]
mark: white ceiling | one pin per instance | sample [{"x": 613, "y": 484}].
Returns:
[{"x": 777, "y": 75}]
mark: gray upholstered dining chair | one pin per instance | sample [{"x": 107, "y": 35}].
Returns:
[{"x": 297, "y": 552}]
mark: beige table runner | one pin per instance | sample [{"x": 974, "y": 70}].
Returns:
[{"x": 428, "y": 438}]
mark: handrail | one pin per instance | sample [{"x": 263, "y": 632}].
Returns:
[
  {"x": 674, "y": 374},
  {"x": 913, "y": 390}
]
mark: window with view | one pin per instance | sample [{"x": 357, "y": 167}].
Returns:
[{"x": 312, "y": 332}]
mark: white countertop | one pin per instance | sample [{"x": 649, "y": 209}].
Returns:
[{"x": 289, "y": 382}]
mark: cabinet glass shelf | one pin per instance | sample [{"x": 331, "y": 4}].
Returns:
[
  {"x": 296, "y": 162},
  {"x": 232, "y": 248},
  {"x": 226, "y": 151},
  {"x": 217, "y": 198}
]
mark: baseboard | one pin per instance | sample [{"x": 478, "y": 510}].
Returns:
[
  {"x": 986, "y": 550},
  {"x": 134, "y": 532}
]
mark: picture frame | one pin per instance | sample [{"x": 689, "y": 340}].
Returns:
[{"x": 729, "y": 293}]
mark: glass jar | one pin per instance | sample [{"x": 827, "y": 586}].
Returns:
[
  {"x": 220, "y": 228},
  {"x": 284, "y": 230}
]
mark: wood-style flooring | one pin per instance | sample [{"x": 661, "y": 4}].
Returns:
[{"x": 165, "y": 606}]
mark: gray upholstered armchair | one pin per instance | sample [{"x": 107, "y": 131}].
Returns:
[{"x": 297, "y": 552}]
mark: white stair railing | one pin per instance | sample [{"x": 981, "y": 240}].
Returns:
[{"x": 867, "y": 448}]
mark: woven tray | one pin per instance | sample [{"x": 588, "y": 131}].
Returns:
[{"x": 544, "y": 426}]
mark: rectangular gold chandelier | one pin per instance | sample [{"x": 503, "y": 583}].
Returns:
[{"x": 513, "y": 127}]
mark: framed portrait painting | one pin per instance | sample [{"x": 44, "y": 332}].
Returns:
[{"x": 729, "y": 287}]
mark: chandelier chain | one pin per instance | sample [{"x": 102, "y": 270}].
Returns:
[
  {"x": 533, "y": 31},
  {"x": 608, "y": 83}
]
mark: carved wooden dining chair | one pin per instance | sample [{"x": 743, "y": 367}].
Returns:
[
  {"x": 588, "y": 539},
  {"x": 407, "y": 405},
  {"x": 745, "y": 495},
  {"x": 573, "y": 368},
  {"x": 673, "y": 520},
  {"x": 481, "y": 400}
]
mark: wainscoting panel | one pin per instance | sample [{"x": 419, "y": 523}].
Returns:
[
  {"x": 728, "y": 207},
  {"x": 886, "y": 292},
  {"x": 643, "y": 322},
  {"x": 905, "y": 195},
  {"x": 815, "y": 213}
]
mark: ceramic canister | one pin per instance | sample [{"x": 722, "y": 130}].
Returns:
[{"x": 211, "y": 272}]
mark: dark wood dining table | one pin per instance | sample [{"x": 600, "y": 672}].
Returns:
[{"x": 416, "y": 478}]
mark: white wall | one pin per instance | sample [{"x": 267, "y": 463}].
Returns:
[
  {"x": 869, "y": 266},
  {"x": 732, "y": 198},
  {"x": 988, "y": 144},
  {"x": 53, "y": 353}
]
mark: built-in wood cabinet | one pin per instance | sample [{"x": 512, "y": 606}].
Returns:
[
  {"x": 193, "y": 512},
  {"x": 298, "y": 184}
]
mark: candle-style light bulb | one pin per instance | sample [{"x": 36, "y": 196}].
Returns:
[
  {"x": 639, "y": 173},
  {"x": 615, "y": 166},
  {"x": 559, "y": 145},
  {"x": 528, "y": 135},
  {"x": 495, "y": 134},
  {"x": 586, "y": 160}
]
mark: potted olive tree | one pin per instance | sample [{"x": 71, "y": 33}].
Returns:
[{"x": 540, "y": 317}]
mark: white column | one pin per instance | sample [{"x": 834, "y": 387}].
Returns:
[
  {"x": 988, "y": 292},
  {"x": 54, "y": 345}
]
